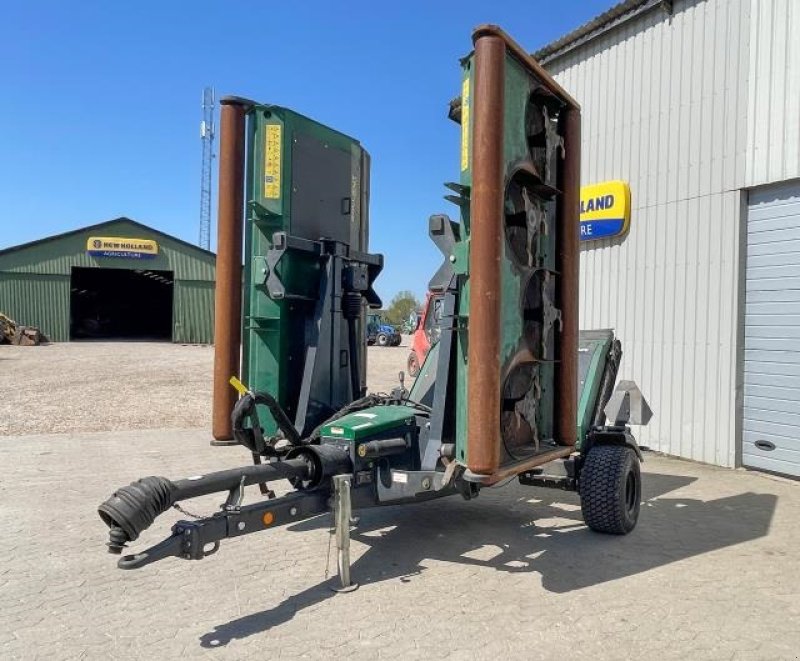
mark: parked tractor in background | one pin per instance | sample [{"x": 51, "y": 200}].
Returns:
[
  {"x": 426, "y": 333},
  {"x": 381, "y": 333}
]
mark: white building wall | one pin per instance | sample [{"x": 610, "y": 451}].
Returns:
[
  {"x": 664, "y": 106},
  {"x": 773, "y": 125}
]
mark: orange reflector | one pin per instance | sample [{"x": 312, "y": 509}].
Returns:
[{"x": 268, "y": 518}]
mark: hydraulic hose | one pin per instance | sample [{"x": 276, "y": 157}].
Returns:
[
  {"x": 355, "y": 369},
  {"x": 251, "y": 437}
]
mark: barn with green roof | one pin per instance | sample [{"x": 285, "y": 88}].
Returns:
[{"x": 118, "y": 279}]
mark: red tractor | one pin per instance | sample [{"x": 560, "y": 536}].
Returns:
[{"x": 427, "y": 332}]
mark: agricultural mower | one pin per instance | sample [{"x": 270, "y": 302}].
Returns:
[{"x": 511, "y": 389}]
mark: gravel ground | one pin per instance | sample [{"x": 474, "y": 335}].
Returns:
[{"x": 110, "y": 386}]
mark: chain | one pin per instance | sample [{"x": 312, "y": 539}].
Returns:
[{"x": 187, "y": 513}]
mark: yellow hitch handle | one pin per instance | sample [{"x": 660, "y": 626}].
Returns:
[{"x": 239, "y": 386}]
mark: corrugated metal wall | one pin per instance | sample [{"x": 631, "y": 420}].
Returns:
[
  {"x": 193, "y": 308},
  {"x": 773, "y": 127},
  {"x": 61, "y": 254},
  {"x": 37, "y": 300},
  {"x": 35, "y": 280},
  {"x": 664, "y": 104}
]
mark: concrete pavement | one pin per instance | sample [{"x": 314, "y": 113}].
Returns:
[{"x": 709, "y": 573}]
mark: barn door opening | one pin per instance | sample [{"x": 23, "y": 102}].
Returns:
[{"x": 121, "y": 304}]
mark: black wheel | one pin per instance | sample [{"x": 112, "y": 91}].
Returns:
[
  {"x": 382, "y": 340},
  {"x": 611, "y": 489},
  {"x": 413, "y": 364}
]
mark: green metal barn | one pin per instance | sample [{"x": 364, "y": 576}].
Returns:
[{"x": 115, "y": 280}]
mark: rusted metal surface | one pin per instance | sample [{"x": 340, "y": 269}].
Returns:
[
  {"x": 510, "y": 470},
  {"x": 524, "y": 57},
  {"x": 483, "y": 418},
  {"x": 228, "y": 296},
  {"x": 568, "y": 282},
  {"x": 486, "y": 252}
]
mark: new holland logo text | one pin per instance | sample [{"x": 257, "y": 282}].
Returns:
[
  {"x": 605, "y": 210},
  {"x": 115, "y": 246}
]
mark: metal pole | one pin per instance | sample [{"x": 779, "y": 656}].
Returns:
[
  {"x": 568, "y": 281},
  {"x": 342, "y": 510},
  {"x": 228, "y": 291},
  {"x": 483, "y": 417}
]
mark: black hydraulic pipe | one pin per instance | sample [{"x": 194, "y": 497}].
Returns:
[
  {"x": 132, "y": 509},
  {"x": 384, "y": 448},
  {"x": 355, "y": 368},
  {"x": 226, "y": 480},
  {"x": 246, "y": 407}
]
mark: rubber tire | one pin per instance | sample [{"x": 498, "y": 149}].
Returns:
[
  {"x": 611, "y": 489},
  {"x": 382, "y": 340},
  {"x": 412, "y": 364}
]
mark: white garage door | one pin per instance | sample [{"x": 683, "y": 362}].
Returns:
[{"x": 771, "y": 438}]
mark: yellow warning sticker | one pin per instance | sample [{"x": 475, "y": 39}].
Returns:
[
  {"x": 465, "y": 124},
  {"x": 272, "y": 162}
]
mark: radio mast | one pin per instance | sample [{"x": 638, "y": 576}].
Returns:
[{"x": 207, "y": 132}]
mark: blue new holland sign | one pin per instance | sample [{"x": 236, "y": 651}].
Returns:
[{"x": 605, "y": 210}]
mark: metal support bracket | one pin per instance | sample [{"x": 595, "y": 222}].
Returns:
[
  {"x": 536, "y": 224},
  {"x": 195, "y": 540},
  {"x": 445, "y": 234},
  {"x": 342, "y": 511},
  {"x": 281, "y": 242},
  {"x": 628, "y": 406},
  {"x": 409, "y": 484},
  {"x": 554, "y": 145}
]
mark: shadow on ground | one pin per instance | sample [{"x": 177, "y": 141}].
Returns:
[{"x": 527, "y": 530}]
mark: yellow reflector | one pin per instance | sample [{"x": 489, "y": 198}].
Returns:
[
  {"x": 240, "y": 387},
  {"x": 268, "y": 518}
]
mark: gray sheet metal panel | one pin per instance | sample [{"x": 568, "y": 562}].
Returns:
[
  {"x": 773, "y": 87},
  {"x": 193, "y": 312},
  {"x": 772, "y": 330}
]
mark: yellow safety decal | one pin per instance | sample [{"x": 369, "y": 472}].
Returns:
[
  {"x": 240, "y": 387},
  {"x": 272, "y": 162},
  {"x": 465, "y": 124}
]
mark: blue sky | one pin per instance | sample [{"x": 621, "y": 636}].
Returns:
[{"x": 100, "y": 103}]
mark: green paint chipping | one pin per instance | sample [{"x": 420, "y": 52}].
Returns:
[{"x": 369, "y": 423}]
